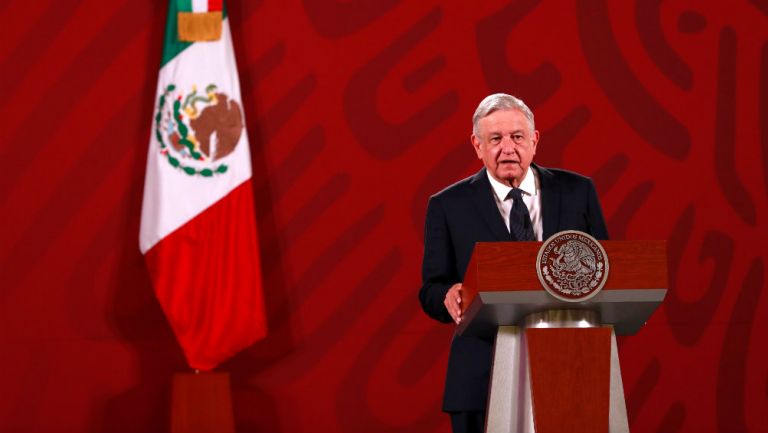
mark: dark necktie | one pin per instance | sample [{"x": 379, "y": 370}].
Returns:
[{"x": 520, "y": 226}]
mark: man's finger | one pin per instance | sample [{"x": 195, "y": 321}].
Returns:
[
  {"x": 453, "y": 302},
  {"x": 451, "y": 309},
  {"x": 457, "y": 310}
]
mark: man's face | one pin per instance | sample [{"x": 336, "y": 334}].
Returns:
[{"x": 506, "y": 143}]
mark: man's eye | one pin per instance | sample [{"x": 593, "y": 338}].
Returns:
[
  {"x": 517, "y": 137},
  {"x": 495, "y": 139}
]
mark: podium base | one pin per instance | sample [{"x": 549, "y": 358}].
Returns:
[
  {"x": 513, "y": 393},
  {"x": 201, "y": 403}
]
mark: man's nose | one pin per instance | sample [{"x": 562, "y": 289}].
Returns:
[{"x": 507, "y": 145}]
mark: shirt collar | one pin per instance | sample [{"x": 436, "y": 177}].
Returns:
[{"x": 528, "y": 185}]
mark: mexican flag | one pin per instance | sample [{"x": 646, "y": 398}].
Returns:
[{"x": 198, "y": 227}]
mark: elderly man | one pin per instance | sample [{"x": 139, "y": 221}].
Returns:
[{"x": 509, "y": 199}]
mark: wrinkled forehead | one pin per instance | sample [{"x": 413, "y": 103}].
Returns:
[{"x": 483, "y": 123}]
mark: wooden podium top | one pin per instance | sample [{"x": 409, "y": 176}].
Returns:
[{"x": 501, "y": 286}]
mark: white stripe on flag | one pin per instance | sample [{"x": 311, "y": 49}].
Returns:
[{"x": 199, "y": 5}]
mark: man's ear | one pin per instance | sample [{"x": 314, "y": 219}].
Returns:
[
  {"x": 535, "y": 140},
  {"x": 476, "y": 144}
]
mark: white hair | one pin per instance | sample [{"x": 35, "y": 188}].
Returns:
[{"x": 501, "y": 101}]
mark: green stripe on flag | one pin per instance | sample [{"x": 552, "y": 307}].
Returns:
[{"x": 172, "y": 46}]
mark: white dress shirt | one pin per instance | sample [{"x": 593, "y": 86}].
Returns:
[{"x": 531, "y": 197}]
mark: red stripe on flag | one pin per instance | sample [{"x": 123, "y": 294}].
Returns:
[
  {"x": 215, "y": 5},
  {"x": 207, "y": 277}
]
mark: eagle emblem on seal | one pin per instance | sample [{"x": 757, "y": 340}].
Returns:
[{"x": 572, "y": 266}]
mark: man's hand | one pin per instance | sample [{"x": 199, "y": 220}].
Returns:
[{"x": 453, "y": 302}]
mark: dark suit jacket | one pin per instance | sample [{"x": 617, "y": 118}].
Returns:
[{"x": 465, "y": 213}]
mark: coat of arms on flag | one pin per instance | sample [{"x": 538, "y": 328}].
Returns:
[{"x": 197, "y": 130}]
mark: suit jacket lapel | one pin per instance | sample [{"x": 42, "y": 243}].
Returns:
[
  {"x": 486, "y": 206},
  {"x": 550, "y": 201}
]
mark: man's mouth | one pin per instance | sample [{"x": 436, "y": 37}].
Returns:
[{"x": 508, "y": 161}]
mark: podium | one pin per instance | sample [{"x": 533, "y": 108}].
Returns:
[{"x": 555, "y": 363}]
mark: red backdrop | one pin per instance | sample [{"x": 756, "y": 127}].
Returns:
[{"x": 357, "y": 112}]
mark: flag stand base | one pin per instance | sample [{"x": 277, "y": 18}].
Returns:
[{"x": 202, "y": 403}]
